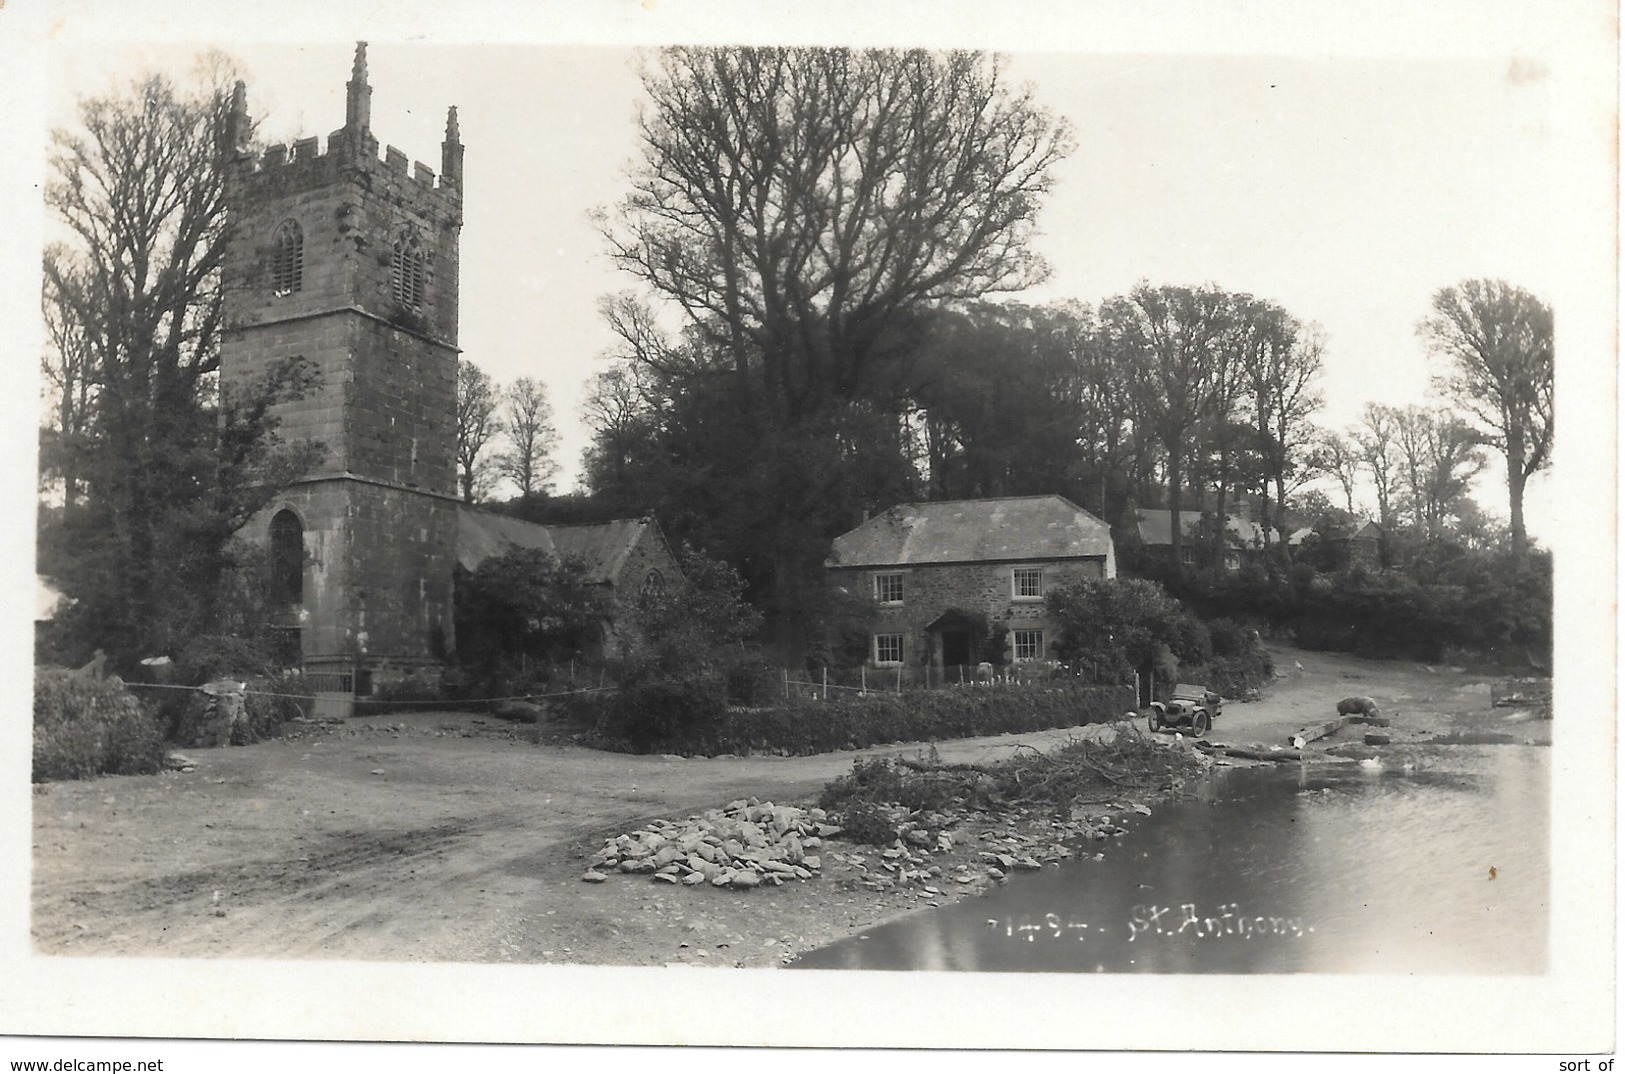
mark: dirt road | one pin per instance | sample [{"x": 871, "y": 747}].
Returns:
[{"x": 447, "y": 837}]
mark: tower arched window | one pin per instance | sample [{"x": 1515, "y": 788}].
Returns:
[
  {"x": 287, "y": 558},
  {"x": 407, "y": 272},
  {"x": 288, "y": 259},
  {"x": 654, "y": 587}
]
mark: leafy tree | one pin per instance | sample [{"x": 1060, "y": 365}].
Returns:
[
  {"x": 798, "y": 209},
  {"x": 996, "y": 393},
  {"x": 1175, "y": 335},
  {"x": 1119, "y": 626},
  {"x": 160, "y": 467},
  {"x": 477, "y": 423},
  {"x": 527, "y": 601},
  {"x": 528, "y": 421},
  {"x": 1497, "y": 340},
  {"x": 694, "y": 623}
]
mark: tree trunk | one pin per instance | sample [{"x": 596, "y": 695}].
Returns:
[
  {"x": 1176, "y": 542},
  {"x": 1516, "y": 480}
]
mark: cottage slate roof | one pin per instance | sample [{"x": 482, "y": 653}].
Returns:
[
  {"x": 1367, "y": 530},
  {"x": 975, "y": 531},
  {"x": 1156, "y": 527},
  {"x": 602, "y": 547}
]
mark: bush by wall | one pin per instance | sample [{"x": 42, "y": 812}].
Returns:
[
  {"x": 652, "y": 723},
  {"x": 89, "y": 727},
  {"x": 1234, "y": 676},
  {"x": 273, "y": 700},
  {"x": 660, "y": 715}
]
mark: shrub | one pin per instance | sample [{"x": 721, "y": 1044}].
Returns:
[
  {"x": 668, "y": 714},
  {"x": 1229, "y": 638},
  {"x": 1236, "y": 676},
  {"x": 87, "y": 727},
  {"x": 752, "y": 681},
  {"x": 868, "y": 823},
  {"x": 209, "y": 657},
  {"x": 273, "y": 700},
  {"x": 805, "y": 725},
  {"x": 881, "y": 780}
]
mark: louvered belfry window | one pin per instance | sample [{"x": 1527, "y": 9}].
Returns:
[
  {"x": 406, "y": 273},
  {"x": 288, "y": 259}
]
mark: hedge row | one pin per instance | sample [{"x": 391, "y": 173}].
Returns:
[
  {"x": 1235, "y": 676},
  {"x": 806, "y": 726},
  {"x": 90, "y": 727}
]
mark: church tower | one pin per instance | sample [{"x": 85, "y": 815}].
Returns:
[{"x": 348, "y": 262}]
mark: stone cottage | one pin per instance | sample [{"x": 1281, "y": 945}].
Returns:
[{"x": 961, "y": 582}]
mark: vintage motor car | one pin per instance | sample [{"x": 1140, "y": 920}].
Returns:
[{"x": 1192, "y": 706}]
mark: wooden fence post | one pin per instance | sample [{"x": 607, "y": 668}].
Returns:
[
  {"x": 863, "y": 680},
  {"x": 826, "y": 682},
  {"x": 787, "y": 684}
]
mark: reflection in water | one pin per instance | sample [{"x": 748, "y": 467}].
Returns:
[{"x": 1341, "y": 869}]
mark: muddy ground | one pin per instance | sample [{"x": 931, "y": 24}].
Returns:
[{"x": 451, "y": 837}]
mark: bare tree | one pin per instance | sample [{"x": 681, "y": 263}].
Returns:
[
  {"x": 1282, "y": 367},
  {"x": 616, "y": 412},
  {"x": 477, "y": 424},
  {"x": 799, "y": 207},
  {"x": 170, "y": 467},
  {"x": 528, "y": 462},
  {"x": 1497, "y": 339},
  {"x": 1377, "y": 440},
  {"x": 1340, "y": 458},
  {"x": 1440, "y": 455},
  {"x": 70, "y": 377}
]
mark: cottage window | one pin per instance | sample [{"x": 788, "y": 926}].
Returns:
[
  {"x": 407, "y": 271},
  {"x": 889, "y": 588},
  {"x": 1029, "y": 644},
  {"x": 1027, "y": 583},
  {"x": 288, "y": 259},
  {"x": 888, "y": 648}
]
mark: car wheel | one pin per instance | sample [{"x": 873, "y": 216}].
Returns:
[
  {"x": 1200, "y": 722},
  {"x": 1153, "y": 720}
]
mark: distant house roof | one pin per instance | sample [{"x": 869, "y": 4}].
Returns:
[
  {"x": 1367, "y": 530},
  {"x": 975, "y": 531},
  {"x": 601, "y": 547},
  {"x": 1156, "y": 527}
]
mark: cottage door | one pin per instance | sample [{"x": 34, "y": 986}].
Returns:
[{"x": 955, "y": 648}]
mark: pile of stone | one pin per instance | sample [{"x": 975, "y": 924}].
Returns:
[
  {"x": 223, "y": 720},
  {"x": 746, "y": 844},
  {"x": 912, "y": 862}
]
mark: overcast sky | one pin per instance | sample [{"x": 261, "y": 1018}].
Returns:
[
  {"x": 1344, "y": 158},
  {"x": 1346, "y": 188}
]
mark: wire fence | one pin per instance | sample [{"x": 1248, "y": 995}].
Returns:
[
  {"x": 825, "y": 683},
  {"x": 816, "y": 684}
]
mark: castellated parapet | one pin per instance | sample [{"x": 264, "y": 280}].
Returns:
[{"x": 348, "y": 260}]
